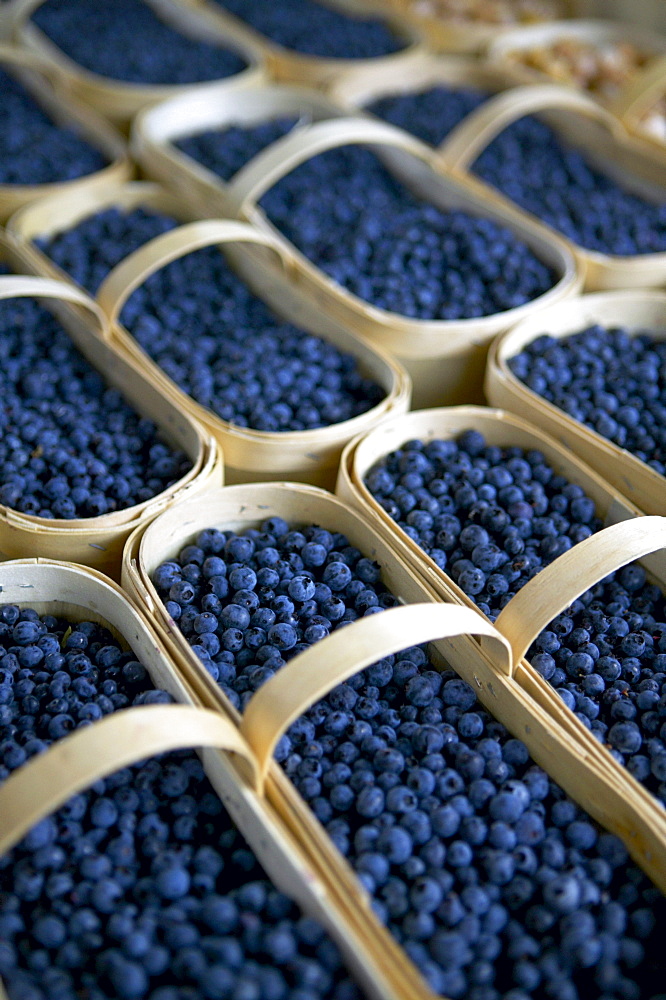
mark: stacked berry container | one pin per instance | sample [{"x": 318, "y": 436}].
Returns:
[
  {"x": 499, "y": 517},
  {"x": 617, "y": 234},
  {"x": 385, "y": 288},
  {"x": 67, "y": 145},
  {"x": 360, "y": 568},
  {"x": 122, "y": 58},
  {"x": 313, "y": 42},
  {"x": 90, "y": 447},
  {"x": 616, "y": 339},
  {"x": 118, "y": 892}
]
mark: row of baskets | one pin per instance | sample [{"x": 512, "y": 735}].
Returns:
[
  {"x": 290, "y": 843},
  {"x": 628, "y": 72}
]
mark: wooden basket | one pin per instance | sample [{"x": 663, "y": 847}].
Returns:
[
  {"x": 443, "y": 34},
  {"x": 157, "y": 130},
  {"x": 444, "y": 358},
  {"x": 46, "y": 86},
  {"x": 635, "y": 103},
  {"x": 505, "y": 52},
  {"x": 119, "y": 101},
  {"x": 582, "y": 123},
  {"x": 360, "y": 87},
  {"x": 598, "y": 783},
  {"x": 310, "y": 456},
  {"x": 71, "y": 765},
  {"x": 288, "y": 66},
  {"x": 533, "y": 606},
  {"x": 644, "y": 311},
  {"x": 46, "y": 218},
  {"x": 98, "y": 541}
]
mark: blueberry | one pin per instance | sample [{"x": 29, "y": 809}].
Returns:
[
  {"x": 371, "y": 235},
  {"x": 311, "y": 28},
  {"x": 127, "y": 45}
]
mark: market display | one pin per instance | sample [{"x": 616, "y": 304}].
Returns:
[
  {"x": 141, "y": 886},
  {"x": 475, "y": 860},
  {"x": 128, "y": 41},
  {"x": 475, "y": 817}
]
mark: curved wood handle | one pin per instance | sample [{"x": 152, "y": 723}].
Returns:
[
  {"x": 281, "y": 157},
  {"x": 131, "y": 272},
  {"x": 47, "y": 781},
  {"x": 644, "y": 90},
  {"x": 21, "y": 286},
  {"x": 315, "y": 672},
  {"x": 24, "y": 58},
  {"x": 477, "y": 130},
  {"x": 552, "y": 590}
]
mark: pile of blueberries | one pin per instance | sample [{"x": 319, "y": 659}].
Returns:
[
  {"x": 428, "y": 114},
  {"x": 226, "y": 152},
  {"x": 127, "y": 41},
  {"x": 491, "y": 518},
  {"x": 530, "y": 164},
  {"x": 496, "y": 884},
  {"x": 70, "y": 445},
  {"x": 562, "y": 187},
  {"x": 93, "y": 247},
  {"x": 316, "y": 29},
  {"x": 347, "y": 213},
  {"x": 222, "y": 345},
  {"x": 140, "y": 887},
  {"x": 608, "y": 379},
  {"x": 217, "y": 341},
  {"x": 33, "y": 148}
]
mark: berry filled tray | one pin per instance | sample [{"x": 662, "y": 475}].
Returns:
[
  {"x": 311, "y": 42},
  {"x": 140, "y": 879},
  {"x": 579, "y": 171},
  {"x": 50, "y": 142},
  {"x": 81, "y": 467},
  {"x": 431, "y": 712},
  {"x": 281, "y": 399},
  {"x": 495, "y": 515},
  {"x": 611, "y": 416},
  {"x": 119, "y": 58},
  {"x": 389, "y": 290}
]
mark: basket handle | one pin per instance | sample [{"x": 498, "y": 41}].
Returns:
[
  {"x": 25, "y": 58},
  {"x": 315, "y": 672},
  {"x": 281, "y": 157},
  {"x": 47, "y": 781},
  {"x": 642, "y": 91},
  {"x": 477, "y": 130},
  {"x": 21, "y": 286},
  {"x": 552, "y": 590},
  {"x": 131, "y": 272}
]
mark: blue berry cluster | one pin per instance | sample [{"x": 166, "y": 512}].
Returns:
[
  {"x": 140, "y": 887},
  {"x": 533, "y": 167},
  {"x": 352, "y": 218},
  {"x": 316, "y": 29},
  {"x": 606, "y": 657},
  {"x": 491, "y": 517},
  {"x": 33, "y": 148},
  {"x": 607, "y": 379},
  {"x": 93, "y": 247},
  {"x": 221, "y": 344},
  {"x": 125, "y": 40},
  {"x": 226, "y": 152},
  {"x": 428, "y": 114},
  {"x": 70, "y": 445},
  {"x": 497, "y": 885}
]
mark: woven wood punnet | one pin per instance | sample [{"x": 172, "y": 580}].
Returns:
[
  {"x": 47, "y": 87},
  {"x": 98, "y": 541}
]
